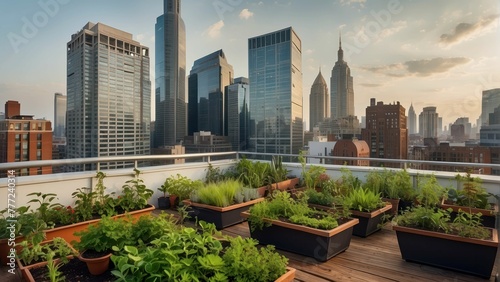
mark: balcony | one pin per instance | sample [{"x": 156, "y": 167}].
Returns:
[{"x": 376, "y": 258}]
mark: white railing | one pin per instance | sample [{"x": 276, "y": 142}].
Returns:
[{"x": 64, "y": 184}]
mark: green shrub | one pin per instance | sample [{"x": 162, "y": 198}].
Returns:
[{"x": 363, "y": 200}]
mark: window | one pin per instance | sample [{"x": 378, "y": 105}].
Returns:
[
  {"x": 25, "y": 136},
  {"x": 26, "y": 126},
  {"x": 17, "y": 126}
]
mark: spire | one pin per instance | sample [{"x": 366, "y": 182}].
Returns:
[
  {"x": 340, "y": 40},
  {"x": 340, "y": 53}
]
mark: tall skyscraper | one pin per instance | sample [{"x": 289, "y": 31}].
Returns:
[
  {"x": 490, "y": 101},
  {"x": 108, "y": 93},
  {"x": 412, "y": 121},
  {"x": 170, "y": 76},
  {"x": 275, "y": 73},
  {"x": 59, "y": 117},
  {"x": 341, "y": 87},
  {"x": 207, "y": 108},
  {"x": 428, "y": 123},
  {"x": 319, "y": 101},
  {"x": 386, "y": 131},
  {"x": 238, "y": 113}
]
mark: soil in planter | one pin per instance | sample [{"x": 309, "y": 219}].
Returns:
[
  {"x": 90, "y": 254},
  {"x": 74, "y": 270}
]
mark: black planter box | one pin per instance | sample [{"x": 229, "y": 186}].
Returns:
[
  {"x": 319, "y": 247},
  {"x": 221, "y": 217},
  {"x": 472, "y": 256},
  {"x": 163, "y": 203},
  {"x": 369, "y": 223}
]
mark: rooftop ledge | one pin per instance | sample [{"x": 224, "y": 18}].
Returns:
[{"x": 64, "y": 184}]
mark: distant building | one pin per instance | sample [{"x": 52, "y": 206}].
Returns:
[
  {"x": 169, "y": 150},
  {"x": 23, "y": 138},
  {"x": 206, "y": 142},
  {"x": 108, "y": 95},
  {"x": 59, "y": 135},
  {"x": 446, "y": 153},
  {"x": 207, "y": 107},
  {"x": 353, "y": 148},
  {"x": 342, "y": 128},
  {"x": 428, "y": 123},
  {"x": 412, "y": 121},
  {"x": 319, "y": 101},
  {"x": 490, "y": 101},
  {"x": 238, "y": 113},
  {"x": 461, "y": 129},
  {"x": 386, "y": 131},
  {"x": 170, "y": 76},
  {"x": 490, "y": 134},
  {"x": 321, "y": 149},
  {"x": 275, "y": 73},
  {"x": 341, "y": 87}
]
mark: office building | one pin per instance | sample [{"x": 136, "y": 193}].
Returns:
[
  {"x": 108, "y": 94},
  {"x": 170, "y": 76},
  {"x": 341, "y": 87},
  {"x": 23, "y": 138},
  {"x": 319, "y": 101},
  {"x": 412, "y": 120},
  {"x": 490, "y": 101},
  {"x": 207, "y": 108},
  {"x": 386, "y": 131},
  {"x": 275, "y": 73},
  {"x": 59, "y": 118},
  {"x": 428, "y": 123},
  {"x": 238, "y": 113}
]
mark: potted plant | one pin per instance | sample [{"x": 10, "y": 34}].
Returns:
[
  {"x": 254, "y": 175},
  {"x": 278, "y": 175},
  {"x": 179, "y": 188},
  {"x": 472, "y": 198},
  {"x": 461, "y": 244},
  {"x": 164, "y": 201},
  {"x": 97, "y": 241},
  {"x": 321, "y": 235},
  {"x": 221, "y": 203},
  {"x": 187, "y": 254}
]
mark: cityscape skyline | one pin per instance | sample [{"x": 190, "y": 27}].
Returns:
[{"x": 395, "y": 53}]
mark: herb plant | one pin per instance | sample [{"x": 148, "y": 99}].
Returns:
[
  {"x": 135, "y": 194},
  {"x": 364, "y": 200}
]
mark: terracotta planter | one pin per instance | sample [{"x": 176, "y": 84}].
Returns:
[
  {"x": 67, "y": 232},
  {"x": 488, "y": 217},
  {"x": 25, "y": 269},
  {"x": 96, "y": 266},
  {"x": 289, "y": 275},
  {"x": 282, "y": 186},
  {"x": 369, "y": 222},
  {"x": 394, "y": 203},
  {"x": 472, "y": 256},
  {"x": 173, "y": 202},
  {"x": 316, "y": 243},
  {"x": 5, "y": 250},
  {"x": 222, "y": 217}
]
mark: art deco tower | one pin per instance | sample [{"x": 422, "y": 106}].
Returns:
[
  {"x": 170, "y": 76},
  {"x": 319, "y": 101},
  {"x": 341, "y": 87},
  {"x": 412, "y": 120}
]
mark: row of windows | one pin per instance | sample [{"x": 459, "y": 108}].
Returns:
[{"x": 269, "y": 39}]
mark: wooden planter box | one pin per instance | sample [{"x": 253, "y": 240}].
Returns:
[
  {"x": 488, "y": 217},
  {"x": 282, "y": 186},
  {"x": 472, "y": 256},
  {"x": 369, "y": 222},
  {"x": 67, "y": 231},
  {"x": 316, "y": 243},
  {"x": 289, "y": 275},
  {"x": 25, "y": 269},
  {"x": 222, "y": 217}
]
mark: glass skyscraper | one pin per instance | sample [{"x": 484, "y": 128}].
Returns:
[
  {"x": 108, "y": 94},
  {"x": 59, "y": 117},
  {"x": 170, "y": 76},
  {"x": 207, "y": 108},
  {"x": 238, "y": 111},
  {"x": 275, "y": 73}
]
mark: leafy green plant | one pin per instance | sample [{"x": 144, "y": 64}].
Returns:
[
  {"x": 25, "y": 222},
  {"x": 472, "y": 194},
  {"x": 223, "y": 194},
  {"x": 180, "y": 186},
  {"x": 104, "y": 203},
  {"x": 311, "y": 176},
  {"x": 45, "y": 204},
  {"x": 347, "y": 182},
  {"x": 277, "y": 171},
  {"x": 364, "y": 200},
  {"x": 322, "y": 198},
  {"x": 253, "y": 174},
  {"x": 402, "y": 181},
  {"x": 135, "y": 194},
  {"x": 84, "y": 203},
  {"x": 33, "y": 250},
  {"x": 430, "y": 191},
  {"x": 107, "y": 233},
  {"x": 54, "y": 275},
  {"x": 375, "y": 181}
]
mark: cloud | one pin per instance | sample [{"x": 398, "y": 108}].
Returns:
[
  {"x": 370, "y": 84},
  {"x": 397, "y": 26},
  {"x": 309, "y": 51},
  {"x": 425, "y": 67},
  {"x": 361, "y": 3},
  {"x": 245, "y": 14},
  {"x": 213, "y": 31},
  {"x": 468, "y": 31},
  {"x": 140, "y": 37}
]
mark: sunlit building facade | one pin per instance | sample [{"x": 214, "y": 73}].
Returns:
[{"x": 238, "y": 113}]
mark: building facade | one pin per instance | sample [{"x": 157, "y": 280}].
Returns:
[
  {"x": 490, "y": 101},
  {"x": 170, "y": 76},
  {"x": 238, "y": 113},
  {"x": 319, "y": 101},
  {"x": 428, "y": 123},
  {"x": 353, "y": 148},
  {"x": 207, "y": 107},
  {"x": 59, "y": 118},
  {"x": 386, "y": 131},
  {"x": 341, "y": 88},
  {"x": 275, "y": 73},
  {"x": 412, "y": 121},
  {"x": 23, "y": 138},
  {"x": 108, "y": 94}
]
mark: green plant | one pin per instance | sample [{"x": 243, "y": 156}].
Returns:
[
  {"x": 311, "y": 176},
  {"x": 45, "y": 204},
  {"x": 253, "y": 174},
  {"x": 277, "y": 172},
  {"x": 25, "y": 222},
  {"x": 320, "y": 198},
  {"x": 430, "y": 191},
  {"x": 180, "y": 186},
  {"x": 107, "y": 233},
  {"x": 33, "y": 250},
  {"x": 347, "y": 182},
  {"x": 135, "y": 194},
  {"x": 363, "y": 200},
  {"x": 375, "y": 181},
  {"x": 104, "y": 203},
  {"x": 53, "y": 266},
  {"x": 223, "y": 194},
  {"x": 402, "y": 181},
  {"x": 472, "y": 194},
  {"x": 84, "y": 203},
  {"x": 215, "y": 175}
]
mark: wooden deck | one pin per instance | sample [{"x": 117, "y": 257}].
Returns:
[{"x": 375, "y": 258}]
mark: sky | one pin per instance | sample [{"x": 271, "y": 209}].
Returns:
[{"x": 426, "y": 53}]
